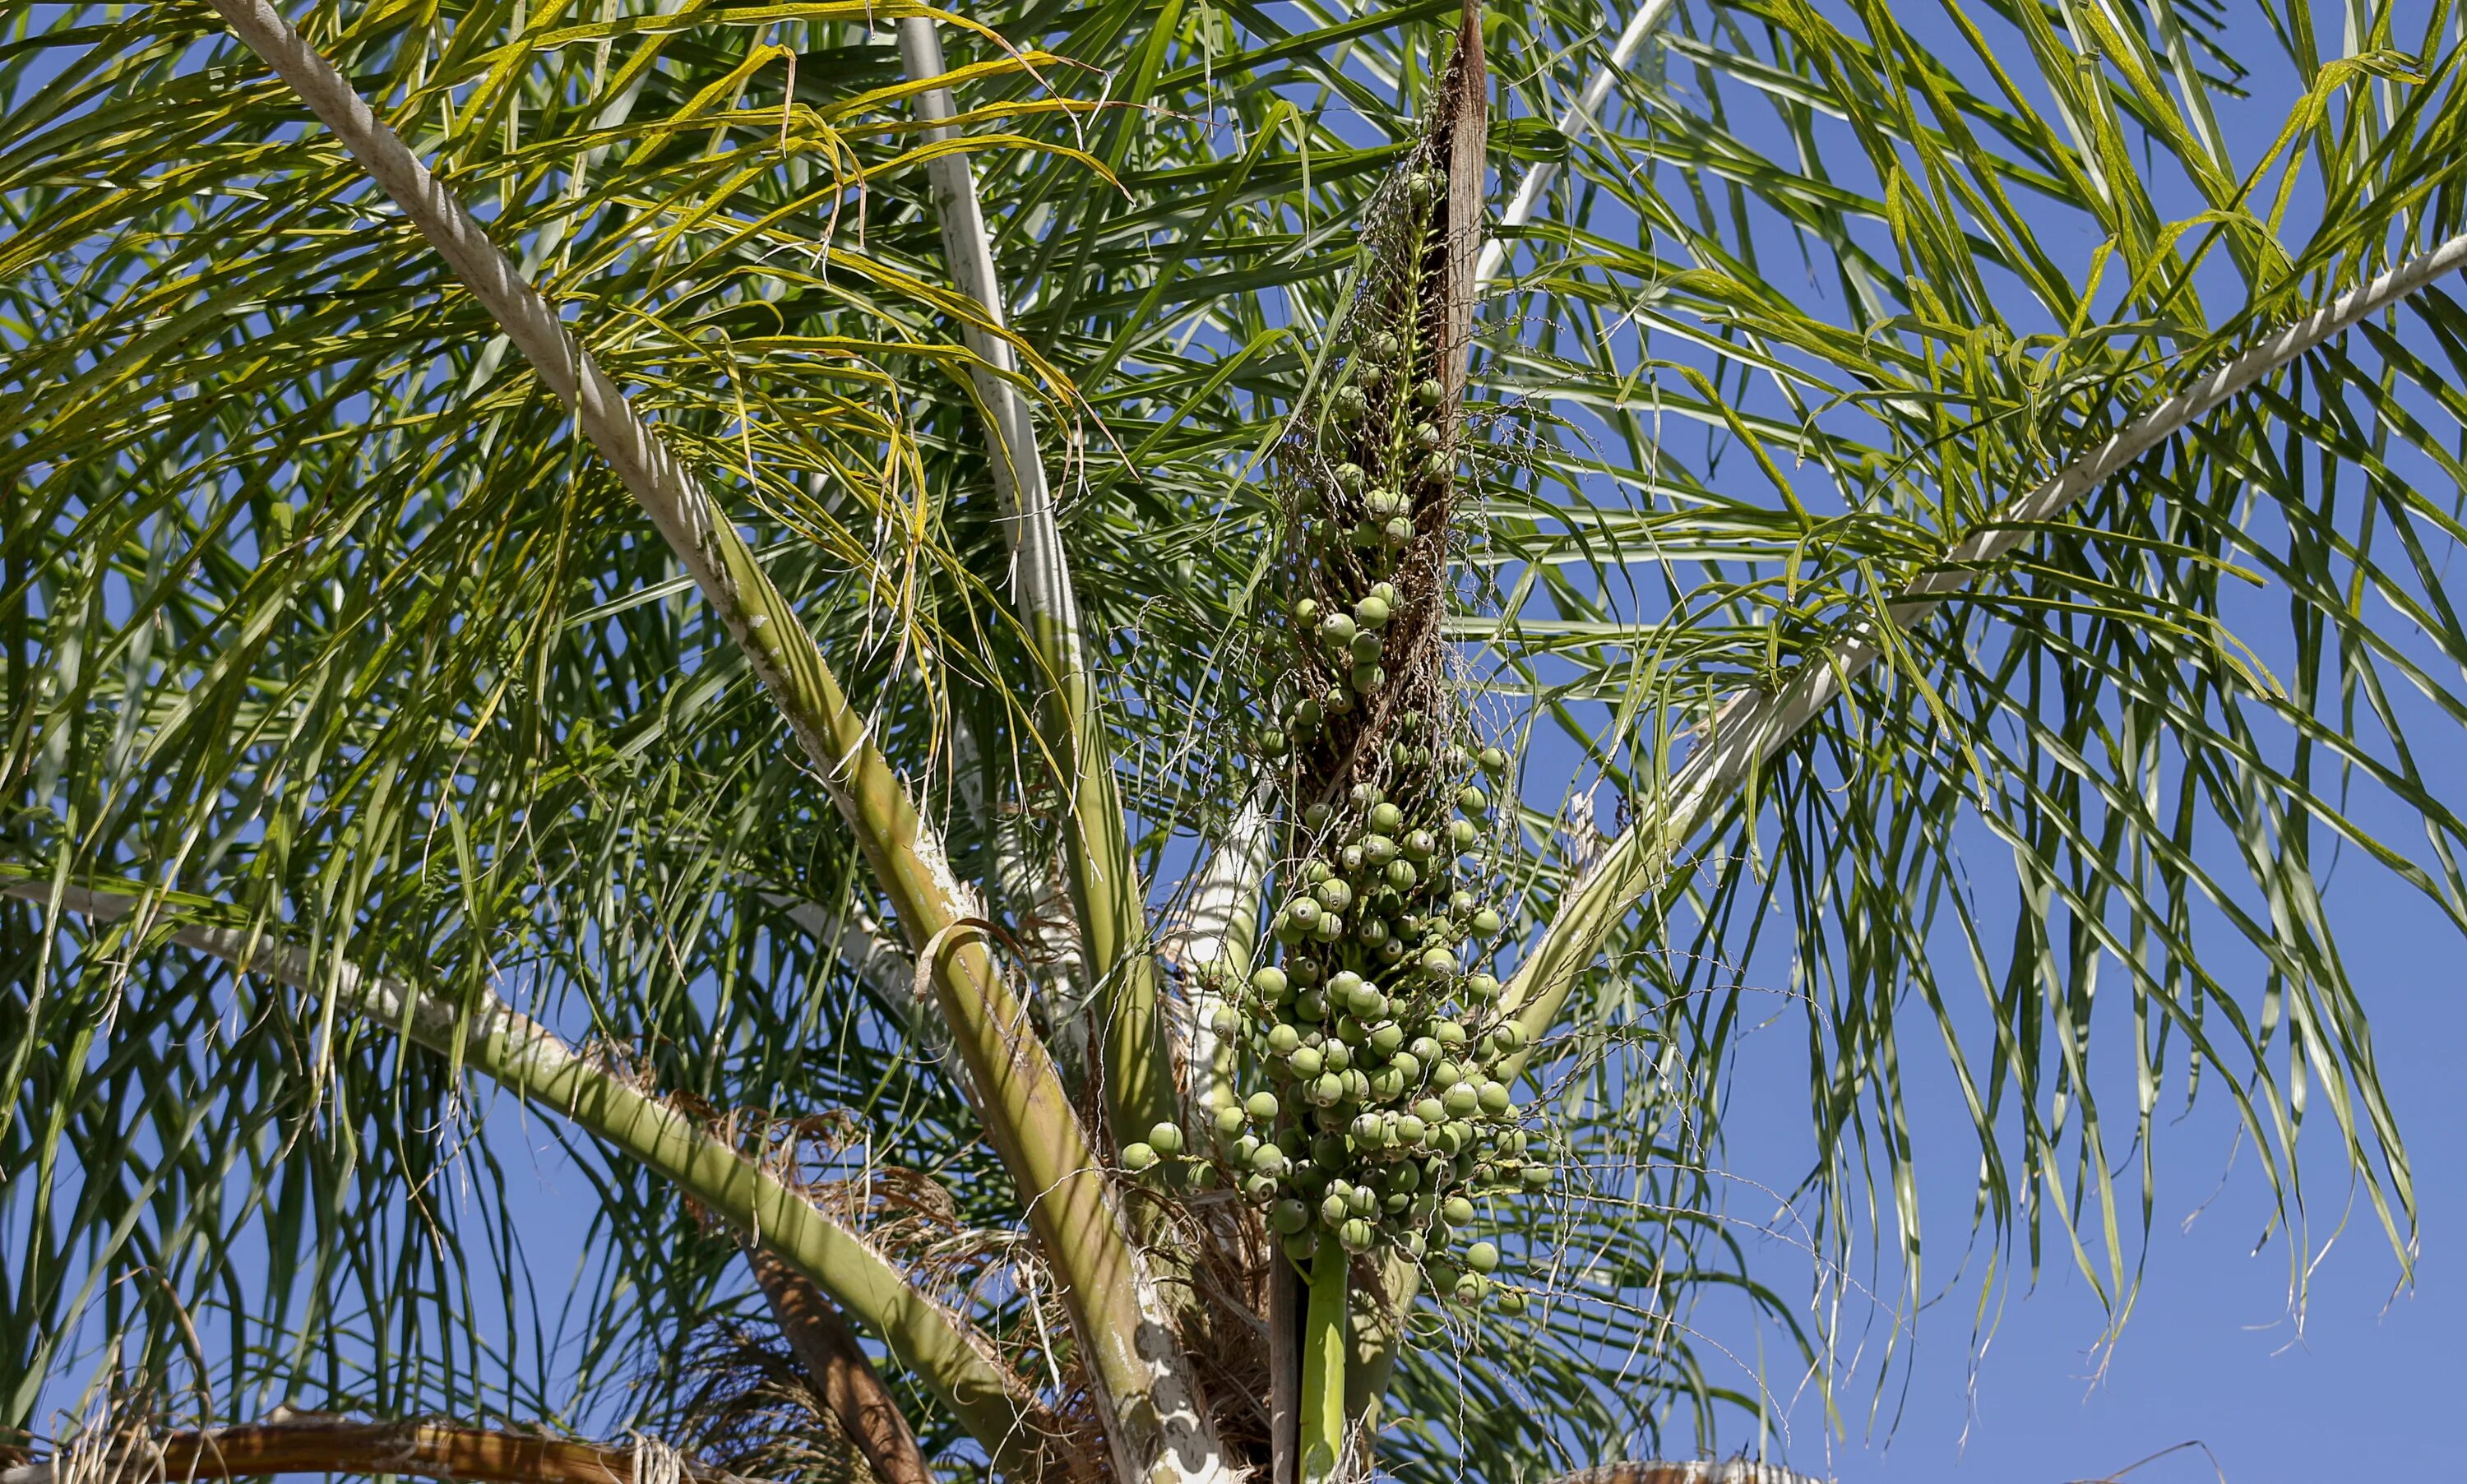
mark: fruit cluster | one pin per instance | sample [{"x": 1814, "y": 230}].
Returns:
[{"x": 1373, "y": 1056}]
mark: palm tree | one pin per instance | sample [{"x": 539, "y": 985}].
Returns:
[{"x": 770, "y": 593}]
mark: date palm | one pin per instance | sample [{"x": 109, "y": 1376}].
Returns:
[{"x": 713, "y": 583}]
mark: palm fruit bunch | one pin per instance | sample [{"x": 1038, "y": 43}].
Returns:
[{"x": 1370, "y": 1103}]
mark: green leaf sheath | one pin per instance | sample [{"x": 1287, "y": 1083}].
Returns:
[{"x": 1325, "y": 1343}]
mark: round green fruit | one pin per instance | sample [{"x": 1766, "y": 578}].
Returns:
[
  {"x": 1457, "y": 1210},
  {"x": 1493, "y": 761},
  {"x": 1483, "y": 1257},
  {"x": 1137, "y": 1158},
  {"x": 1287, "y": 1216},
  {"x": 1305, "y": 1062},
  {"x": 1259, "y": 1189},
  {"x": 1461, "y": 1100},
  {"x": 1261, "y": 1106},
  {"x": 1356, "y": 1235},
  {"x": 1165, "y": 1139},
  {"x": 1228, "y": 1121},
  {"x": 1494, "y": 1098},
  {"x": 1470, "y": 1288},
  {"x": 1271, "y": 983},
  {"x": 1371, "y": 612},
  {"x": 1536, "y": 1177},
  {"x": 1283, "y": 1040},
  {"x": 1386, "y": 819},
  {"x": 1473, "y": 801}
]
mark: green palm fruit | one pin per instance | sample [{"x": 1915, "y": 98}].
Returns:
[
  {"x": 1372, "y": 612},
  {"x": 1283, "y": 1040},
  {"x": 1401, "y": 875},
  {"x": 1407, "y": 1066},
  {"x": 1304, "y": 1062},
  {"x": 1349, "y": 401},
  {"x": 1470, "y": 1288},
  {"x": 1336, "y": 701},
  {"x": 1305, "y": 611},
  {"x": 1410, "y": 1131},
  {"x": 1329, "y": 1149},
  {"x": 1431, "y": 1111},
  {"x": 1385, "y": 818},
  {"x": 1226, "y": 1021},
  {"x": 1342, "y": 985},
  {"x": 1485, "y": 923},
  {"x": 1348, "y": 477},
  {"x": 1388, "y": 1040},
  {"x": 1381, "y": 346},
  {"x": 1371, "y": 931},
  {"x": 1288, "y": 1216},
  {"x": 1451, "y": 1034},
  {"x": 1507, "y": 1038},
  {"x": 1493, "y": 1097},
  {"x": 1457, "y": 1210},
  {"x": 1137, "y": 1158},
  {"x": 1377, "y": 850},
  {"x": 1339, "y": 1055},
  {"x": 1310, "y": 1005},
  {"x": 1483, "y": 987},
  {"x": 1365, "y": 646},
  {"x": 1446, "y": 1075},
  {"x": 1426, "y": 435},
  {"x": 1493, "y": 761},
  {"x": 1392, "y": 951},
  {"x": 1356, "y": 1235},
  {"x": 1327, "y": 1089},
  {"x": 1483, "y": 1257},
  {"x": 1508, "y": 1302},
  {"x": 1419, "y": 844},
  {"x": 1333, "y": 894},
  {"x": 1334, "y": 1209},
  {"x": 1308, "y": 713},
  {"x": 1461, "y": 1100},
  {"x": 1270, "y": 981},
  {"x": 1425, "y": 1050},
  {"x": 1362, "y": 1201},
  {"x": 1259, "y": 1189},
  {"x": 1384, "y": 503},
  {"x": 1230, "y": 1120},
  {"x": 1462, "y": 834},
  {"x": 1303, "y": 913},
  {"x": 1397, "y": 533},
  {"x": 1316, "y": 816},
  {"x": 1261, "y": 1106},
  {"x": 1387, "y": 1084},
  {"x": 1301, "y": 1246},
  {"x": 1365, "y": 678},
  {"x": 1336, "y": 630},
  {"x": 1165, "y": 1139},
  {"x": 1439, "y": 964},
  {"x": 1537, "y": 1177},
  {"x": 1267, "y": 1159}
]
